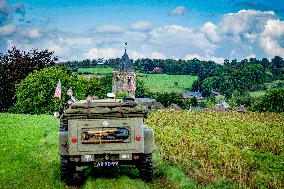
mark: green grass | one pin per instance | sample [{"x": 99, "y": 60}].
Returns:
[
  {"x": 28, "y": 148},
  {"x": 257, "y": 93},
  {"x": 168, "y": 83},
  {"x": 95, "y": 71},
  {"x": 29, "y": 158}
]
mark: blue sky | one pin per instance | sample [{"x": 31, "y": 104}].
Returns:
[{"x": 204, "y": 29}]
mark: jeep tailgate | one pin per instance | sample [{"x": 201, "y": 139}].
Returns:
[{"x": 99, "y": 136}]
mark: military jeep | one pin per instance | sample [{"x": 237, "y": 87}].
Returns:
[{"x": 104, "y": 133}]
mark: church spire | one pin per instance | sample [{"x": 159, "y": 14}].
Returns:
[{"x": 125, "y": 47}]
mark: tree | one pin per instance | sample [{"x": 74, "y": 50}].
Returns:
[
  {"x": 272, "y": 101},
  {"x": 15, "y": 66},
  {"x": 141, "y": 90},
  {"x": 99, "y": 87},
  {"x": 277, "y": 67},
  {"x": 35, "y": 93}
]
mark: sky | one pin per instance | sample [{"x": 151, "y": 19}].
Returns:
[{"x": 179, "y": 29}]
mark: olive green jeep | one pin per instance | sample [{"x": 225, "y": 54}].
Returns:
[{"x": 104, "y": 133}]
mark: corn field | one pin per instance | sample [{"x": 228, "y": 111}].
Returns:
[{"x": 246, "y": 149}]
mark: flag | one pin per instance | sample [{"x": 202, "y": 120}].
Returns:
[
  {"x": 132, "y": 86},
  {"x": 57, "y": 93},
  {"x": 70, "y": 92}
]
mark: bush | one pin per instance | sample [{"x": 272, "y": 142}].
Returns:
[
  {"x": 35, "y": 93},
  {"x": 272, "y": 101}
]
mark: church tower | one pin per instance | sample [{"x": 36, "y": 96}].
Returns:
[{"x": 124, "y": 77}]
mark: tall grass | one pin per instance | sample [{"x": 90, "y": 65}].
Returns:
[{"x": 212, "y": 147}]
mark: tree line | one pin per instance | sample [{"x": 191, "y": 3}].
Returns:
[{"x": 234, "y": 78}]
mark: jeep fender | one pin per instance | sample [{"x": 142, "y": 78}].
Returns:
[{"x": 148, "y": 140}]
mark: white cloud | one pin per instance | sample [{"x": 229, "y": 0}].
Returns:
[
  {"x": 76, "y": 41},
  {"x": 219, "y": 60},
  {"x": 238, "y": 34},
  {"x": 245, "y": 21},
  {"x": 107, "y": 53},
  {"x": 7, "y": 29},
  {"x": 210, "y": 30},
  {"x": 57, "y": 48},
  {"x": 180, "y": 39},
  {"x": 274, "y": 31},
  {"x": 109, "y": 29},
  {"x": 180, "y": 10},
  {"x": 157, "y": 55},
  {"x": 141, "y": 26},
  {"x": 33, "y": 33},
  {"x": 250, "y": 56}
]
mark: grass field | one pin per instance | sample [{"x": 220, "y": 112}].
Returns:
[
  {"x": 194, "y": 150},
  {"x": 257, "y": 93},
  {"x": 168, "y": 83},
  {"x": 29, "y": 159}
]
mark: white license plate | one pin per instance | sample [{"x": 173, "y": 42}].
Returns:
[
  {"x": 107, "y": 164},
  {"x": 87, "y": 158}
]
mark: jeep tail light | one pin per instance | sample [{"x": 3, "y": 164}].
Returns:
[
  {"x": 74, "y": 140},
  {"x": 138, "y": 137}
]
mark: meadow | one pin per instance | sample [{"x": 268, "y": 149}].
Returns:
[
  {"x": 154, "y": 82},
  {"x": 194, "y": 150},
  {"x": 168, "y": 83}
]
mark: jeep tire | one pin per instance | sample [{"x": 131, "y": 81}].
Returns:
[
  {"x": 146, "y": 168},
  {"x": 69, "y": 175}
]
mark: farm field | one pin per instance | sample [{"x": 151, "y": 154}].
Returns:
[
  {"x": 244, "y": 149},
  {"x": 194, "y": 150},
  {"x": 168, "y": 83}
]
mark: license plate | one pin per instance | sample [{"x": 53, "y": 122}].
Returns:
[
  {"x": 87, "y": 158},
  {"x": 107, "y": 164}
]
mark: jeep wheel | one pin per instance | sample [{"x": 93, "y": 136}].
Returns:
[
  {"x": 64, "y": 169},
  {"x": 146, "y": 168},
  {"x": 69, "y": 175}
]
